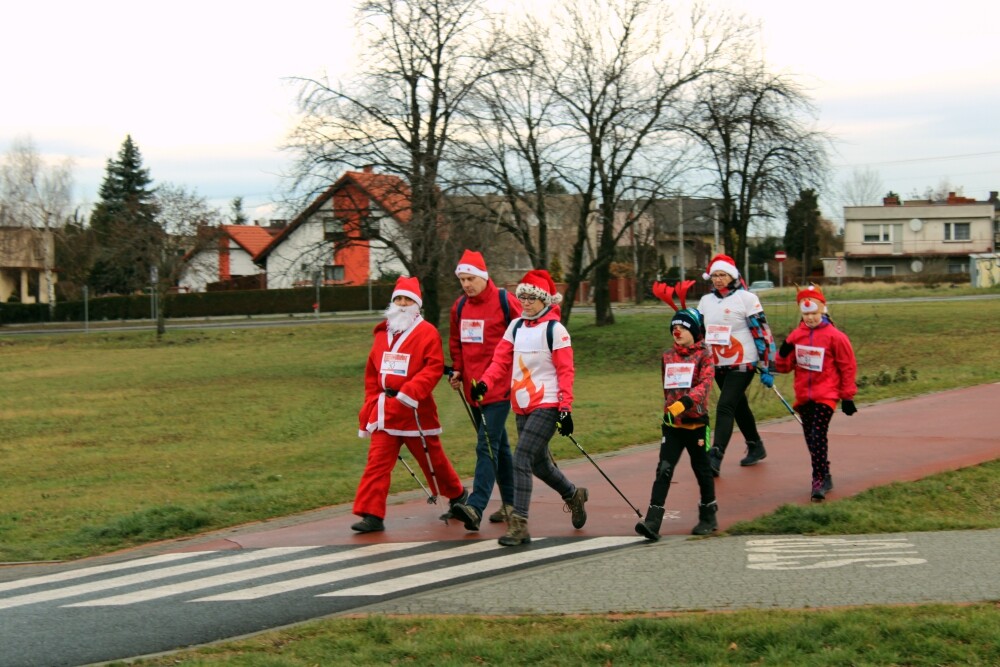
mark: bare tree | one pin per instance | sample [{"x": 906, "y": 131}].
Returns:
[
  {"x": 619, "y": 69},
  {"x": 36, "y": 196},
  {"x": 758, "y": 143},
  {"x": 422, "y": 59},
  {"x": 510, "y": 142},
  {"x": 185, "y": 224},
  {"x": 863, "y": 188}
]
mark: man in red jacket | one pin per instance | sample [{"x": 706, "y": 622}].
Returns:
[
  {"x": 405, "y": 364},
  {"x": 479, "y": 319}
]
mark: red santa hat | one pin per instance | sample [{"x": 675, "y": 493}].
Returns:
[
  {"x": 408, "y": 286},
  {"x": 811, "y": 299},
  {"x": 472, "y": 263},
  {"x": 539, "y": 284},
  {"x": 721, "y": 263}
]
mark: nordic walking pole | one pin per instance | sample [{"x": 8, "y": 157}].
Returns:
[
  {"x": 794, "y": 413},
  {"x": 448, "y": 370},
  {"x": 432, "y": 499},
  {"x": 413, "y": 475},
  {"x": 573, "y": 440}
]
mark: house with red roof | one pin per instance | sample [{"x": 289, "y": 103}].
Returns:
[
  {"x": 338, "y": 236},
  {"x": 232, "y": 256}
]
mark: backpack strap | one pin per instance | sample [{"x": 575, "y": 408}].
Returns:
[
  {"x": 548, "y": 331},
  {"x": 503, "y": 305}
]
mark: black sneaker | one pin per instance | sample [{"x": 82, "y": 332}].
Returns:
[
  {"x": 464, "y": 498},
  {"x": 715, "y": 460},
  {"x": 818, "y": 492},
  {"x": 467, "y": 514},
  {"x": 369, "y": 524},
  {"x": 755, "y": 453}
]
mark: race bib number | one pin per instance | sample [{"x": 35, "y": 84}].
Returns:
[
  {"x": 678, "y": 376},
  {"x": 471, "y": 331},
  {"x": 718, "y": 334},
  {"x": 395, "y": 363},
  {"x": 809, "y": 358}
]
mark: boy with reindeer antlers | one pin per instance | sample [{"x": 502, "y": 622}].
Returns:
[{"x": 687, "y": 372}]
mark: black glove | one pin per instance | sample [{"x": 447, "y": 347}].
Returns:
[
  {"x": 847, "y": 405},
  {"x": 786, "y": 348},
  {"x": 565, "y": 424},
  {"x": 477, "y": 390},
  {"x": 391, "y": 393}
]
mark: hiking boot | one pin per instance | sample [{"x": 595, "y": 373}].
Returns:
[
  {"x": 828, "y": 483},
  {"x": 650, "y": 526},
  {"x": 818, "y": 492},
  {"x": 517, "y": 532},
  {"x": 707, "y": 522},
  {"x": 502, "y": 514},
  {"x": 467, "y": 514},
  {"x": 755, "y": 453},
  {"x": 463, "y": 498},
  {"x": 574, "y": 504},
  {"x": 368, "y": 524},
  {"x": 715, "y": 460}
]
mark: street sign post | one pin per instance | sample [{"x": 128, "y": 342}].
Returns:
[{"x": 780, "y": 256}]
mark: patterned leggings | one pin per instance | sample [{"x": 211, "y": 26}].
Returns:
[
  {"x": 815, "y": 424},
  {"x": 534, "y": 430}
]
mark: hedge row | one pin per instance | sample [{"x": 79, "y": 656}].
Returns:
[{"x": 205, "y": 304}]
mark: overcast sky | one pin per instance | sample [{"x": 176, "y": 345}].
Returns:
[{"x": 909, "y": 89}]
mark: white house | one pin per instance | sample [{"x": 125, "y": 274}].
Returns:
[
  {"x": 914, "y": 237},
  {"x": 330, "y": 238},
  {"x": 232, "y": 257}
]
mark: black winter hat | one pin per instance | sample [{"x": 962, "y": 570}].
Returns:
[{"x": 690, "y": 319}]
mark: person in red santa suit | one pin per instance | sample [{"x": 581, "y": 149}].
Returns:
[
  {"x": 405, "y": 364},
  {"x": 479, "y": 319},
  {"x": 741, "y": 343},
  {"x": 535, "y": 353}
]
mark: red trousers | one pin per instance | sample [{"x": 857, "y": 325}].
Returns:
[{"x": 383, "y": 452}]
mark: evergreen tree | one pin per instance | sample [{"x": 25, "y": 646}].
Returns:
[
  {"x": 124, "y": 224},
  {"x": 802, "y": 232},
  {"x": 236, "y": 209}
]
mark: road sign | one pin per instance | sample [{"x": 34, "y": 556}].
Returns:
[{"x": 780, "y": 255}]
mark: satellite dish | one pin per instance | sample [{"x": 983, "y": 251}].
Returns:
[
  {"x": 916, "y": 224},
  {"x": 916, "y": 266}
]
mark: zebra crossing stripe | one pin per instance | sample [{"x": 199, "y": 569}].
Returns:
[
  {"x": 148, "y": 575},
  {"x": 347, "y": 573},
  {"x": 176, "y": 588},
  {"x": 98, "y": 569},
  {"x": 387, "y": 586}
]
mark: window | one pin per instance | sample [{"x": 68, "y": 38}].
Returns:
[
  {"x": 878, "y": 271},
  {"x": 333, "y": 272},
  {"x": 958, "y": 267},
  {"x": 334, "y": 229},
  {"x": 877, "y": 233},
  {"x": 957, "y": 231}
]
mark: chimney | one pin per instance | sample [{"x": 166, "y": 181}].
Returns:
[
  {"x": 891, "y": 199},
  {"x": 367, "y": 168}
]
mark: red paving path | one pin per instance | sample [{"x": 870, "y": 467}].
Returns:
[{"x": 885, "y": 442}]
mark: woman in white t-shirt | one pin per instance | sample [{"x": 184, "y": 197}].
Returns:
[
  {"x": 741, "y": 342},
  {"x": 536, "y": 354}
]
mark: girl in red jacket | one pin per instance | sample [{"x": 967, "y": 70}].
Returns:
[{"x": 825, "y": 369}]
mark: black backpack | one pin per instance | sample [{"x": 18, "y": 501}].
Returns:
[
  {"x": 503, "y": 304},
  {"x": 548, "y": 331}
]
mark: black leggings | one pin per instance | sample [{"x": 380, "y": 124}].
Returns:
[
  {"x": 673, "y": 442},
  {"x": 733, "y": 406}
]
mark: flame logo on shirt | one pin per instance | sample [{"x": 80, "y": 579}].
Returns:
[
  {"x": 728, "y": 355},
  {"x": 527, "y": 386}
]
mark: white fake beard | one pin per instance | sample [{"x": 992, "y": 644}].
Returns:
[{"x": 401, "y": 318}]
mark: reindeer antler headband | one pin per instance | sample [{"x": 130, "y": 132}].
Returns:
[{"x": 665, "y": 293}]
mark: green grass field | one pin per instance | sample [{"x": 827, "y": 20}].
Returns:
[{"x": 113, "y": 440}]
